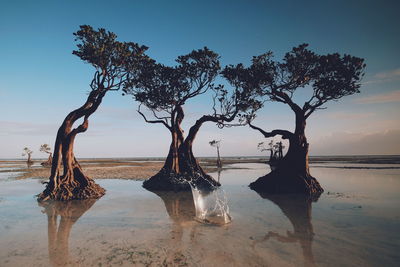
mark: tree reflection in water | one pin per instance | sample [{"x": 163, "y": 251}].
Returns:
[
  {"x": 58, "y": 233},
  {"x": 297, "y": 208},
  {"x": 181, "y": 210}
]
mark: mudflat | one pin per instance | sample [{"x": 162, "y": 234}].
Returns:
[
  {"x": 135, "y": 169},
  {"x": 355, "y": 221}
]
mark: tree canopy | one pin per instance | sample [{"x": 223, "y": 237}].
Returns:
[
  {"x": 45, "y": 148},
  {"x": 108, "y": 56},
  {"x": 215, "y": 143},
  {"x": 164, "y": 89},
  {"x": 330, "y": 76},
  {"x": 111, "y": 59},
  {"x": 26, "y": 151}
]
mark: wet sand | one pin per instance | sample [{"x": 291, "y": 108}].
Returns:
[
  {"x": 135, "y": 169},
  {"x": 144, "y": 168},
  {"x": 354, "y": 223}
]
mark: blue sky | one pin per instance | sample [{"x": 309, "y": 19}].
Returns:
[{"x": 41, "y": 81}]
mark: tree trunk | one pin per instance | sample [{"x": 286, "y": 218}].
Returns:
[
  {"x": 296, "y": 158},
  {"x": 73, "y": 183},
  {"x": 292, "y": 173},
  {"x": 271, "y": 155},
  {"x": 219, "y": 163},
  {"x": 48, "y": 161},
  {"x": 192, "y": 168},
  {"x": 29, "y": 158},
  {"x": 172, "y": 161},
  {"x": 181, "y": 166}
]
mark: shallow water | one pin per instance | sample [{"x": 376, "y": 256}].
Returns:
[{"x": 355, "y": 222}]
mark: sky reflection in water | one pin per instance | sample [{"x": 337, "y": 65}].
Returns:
[{"x": 355, "y": 222}]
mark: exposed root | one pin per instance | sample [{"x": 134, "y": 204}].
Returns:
[
  {"x": 72, "y": 191},
  {"x": 279, "y": 182}
]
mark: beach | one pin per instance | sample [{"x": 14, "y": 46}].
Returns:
[
  {"x": 355, "y": 222},
  {"x": 134, "y": 169},
  {"x": 144, "y": 168}
]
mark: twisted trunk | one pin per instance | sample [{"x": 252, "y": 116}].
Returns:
[
  {"x": 291, "y": 174},
  {"x": 181, "y": 166},
  {"x": 72, "y": 183},
  {"x": 171, "y": 162},
  {"x": 296, "y": 159}
]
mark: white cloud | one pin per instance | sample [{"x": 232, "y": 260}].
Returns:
[
  {"x": 349, "y": 115},
  {"x": 358, "y": 143},
  {"x": 392, "y": 74},
  {"x": 386, "y": 76},
  {"x": 389, "y": 97}
]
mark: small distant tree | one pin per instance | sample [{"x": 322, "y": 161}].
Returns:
[
  {"x": 27, "y": 152},
  {"x": 45, "y": 148},
  {"x": 217, "y": 144},
  {"x": 269, "y": 147},
  {"x": 330, "y": 78},
  {"x": 164, "y": 91},
  {"x": 110, "y": 59}
]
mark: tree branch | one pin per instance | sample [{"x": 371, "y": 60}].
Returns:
[
  {"x": 153, "y": 121},
  {"x": 284, "y": 133},
  {"x": 287, "y": 100}
]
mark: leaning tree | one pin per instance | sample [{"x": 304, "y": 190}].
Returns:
[
  {"x": 164, "y": 90},
  {"x": 271, "y": 148},
  {"x": 217, "y": 145},
  {"x": 45, "y": 148},
  {"x": 109, "y": 57},
  {"x": 330, "y": 77},
  {"x": 27, "y": 152}
]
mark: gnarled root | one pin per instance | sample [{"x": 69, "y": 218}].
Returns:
[
  {"x": 279, "y": 182},
  {"x": 73, "y": 186}
]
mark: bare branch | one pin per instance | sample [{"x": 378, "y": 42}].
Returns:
[
  {"x": 153, "y": 121},
  {"x": 284, "y": 133}
]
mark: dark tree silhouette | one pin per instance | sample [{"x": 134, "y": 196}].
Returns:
[
  {"x": 45, "y": 148},
  {"x": 27, "y": 152},
  {"x": 275, "y": 149},
  {"x": 330, "y": 77},
  {"x": 164, "y": 90},
  {"x": 217, "y": 144},
  {"x": 298, "y": 209},
  {"x": 109, "y": 57}
]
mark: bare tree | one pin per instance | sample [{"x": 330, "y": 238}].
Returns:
[
  {"x": 45, "y": 148},
  {"x": 217, "y": 144},
  {"x": 263, "y": 147},
  {"x": 27, "y": 152},
  {"x": 110, "y": 59}
]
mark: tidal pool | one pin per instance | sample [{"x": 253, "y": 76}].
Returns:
[{"x": 356, "y": 222}]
